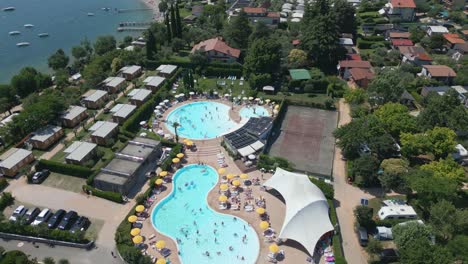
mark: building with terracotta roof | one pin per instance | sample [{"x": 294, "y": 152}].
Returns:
[
  {"x": 399, "y": 35},
  {"x": 401, "y": 42},
  {"x": 403, "y": 9},
  {"x": 217, "y": 49},
  {"x": 440, "y": 73},
  {"x": 452, "y": 39},
  {"x": 260, "y": 14},
  {"x": 361, "y": 76},
  {"x": 414, "y": 55},
  {"x": 345, "y": 66}
]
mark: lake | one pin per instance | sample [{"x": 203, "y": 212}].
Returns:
[{"x": 67, "y": 23}]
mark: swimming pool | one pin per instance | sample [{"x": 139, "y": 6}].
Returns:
[
  {"x": 201, "y": 120},
  {"x": 253, "y": 111},
  {"x": 185, "y": 212}
]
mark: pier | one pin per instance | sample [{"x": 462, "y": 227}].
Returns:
[
  {"x": 120, "y": 29},
  {"x": 134, "y": 24}
]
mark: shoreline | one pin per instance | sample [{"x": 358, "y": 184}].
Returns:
[{"x": 154, "y": 6}]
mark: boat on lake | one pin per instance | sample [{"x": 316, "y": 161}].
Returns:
[
  {"x": 105, "y": 8},
  {"x": 28, "y": 25},
  {"x": 43, "y": 35},
  {"x": 90, "y": 14},
  {"x": 13, "y": 33},
  {"x": 10, "y": 8},
  {"x": 23, "y": 44}
]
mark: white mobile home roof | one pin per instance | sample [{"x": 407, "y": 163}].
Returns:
[
  {"x": 396, "y": 210},
  {"x": 73, "y": 112},
  {"x": 166, "y": 68},
  {"x": 8, "y": 119},
  {"x": 154, "y": 81},
  {"x": 438, "y": 29},
  {"x": 140, "y": 94},
  {"x": 45, "y": 133},
  {"x": 114, "y": 81},
  {"x": 103, "y": 128},
  {"x": 98, "y": 94},
  {"x": 123, "y": 110},
  {"x": 15, "y": 155},
  {"x": 130, "y": 69},
  {"x": 78, "y": 150}
]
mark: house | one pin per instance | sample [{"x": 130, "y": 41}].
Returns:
[
  {"x": 397, "y": 212},
  {"x": 122, "y": 112},
  {"x": 139, "y": 96},
  {"x": 80, "y": 152},
  {"x": 217, "y": 50},
  {"x": 462, "y": 94},
  {"x": 113, "y": 84},
  {"x": 346, "y": 42},
  {"x": 398, "y": 35},
  {"x": 131, "y": 72},
  {"x": 166, "y": 70},
  {"x": 407, "y": 99},
  {"x": 414, "y": 55},
  {"x": 345, "y": 65},
  {"x": 249, "y": 138},
  {"x": 452, "y": 39},
  {"x": 73, "y": 116},
  {"x": 190, "y": 19},
  {"x": 104, "y": 132},
  {"x": 46, "y": 136},
  {"x": 440, "y": 73},
  {"x": 260, "y": 14},
  {"x": 401, "y": 43},
  {"x": 458, "y": 51},
  {"x": 154, "y": 82},
  {"x": 96, "y": 99},
  {"x": 353, "y": 56},
  {"x": 361, "y": 76},
  {"x": 129, "y": 166},
  {"x": 8, "y": 119},
  {"x": 465, "y": 34},
  {"x": 436, "y": 30},
  {"x": 460, "y": 153},
  {"x": 13, "y": 160},
  {"x": 441, "y": 90},
  {"x": 402, "y": 9}
]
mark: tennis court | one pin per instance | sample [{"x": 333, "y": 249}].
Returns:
[{"x": 306, "y": 139}]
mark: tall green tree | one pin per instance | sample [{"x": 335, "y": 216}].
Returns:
[
  {"x": 174, "y": 31},
  {"x": 178, "y": 21},
  {"x": 58, "y": 60},
  {"x": 345, "y": 16},
  {"x": 150, "y": 45},
  {"x": 263, "y": 57},
  {"x": 105, "y": 44},
  {"x": 388, "y": 86},
  {"x": 169, "y": 29},
  {"x": 7, "y": 98},
  {"x": 396, "y": 119},
  {"x": 448, "y": 221},
  {"x": 29, "y": 80},
  {"x": 238, "y": 30}
]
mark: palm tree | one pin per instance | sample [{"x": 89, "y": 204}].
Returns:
[{"x": 176, "y": 125}]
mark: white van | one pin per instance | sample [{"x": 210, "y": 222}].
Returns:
[{"x": 42, "y": 217}]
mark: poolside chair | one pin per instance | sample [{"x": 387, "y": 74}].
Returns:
[{"x": 165, "y": 252}]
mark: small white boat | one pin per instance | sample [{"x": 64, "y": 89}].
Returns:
[
  {"x": 10, "y": 8},
  {"x": 28, "y": 25},
  {"x": 23, "y": 44},
  {"x": 13, "y": 33},
  {"x": 105, "y": 8},
  {"x": 43, "y": 35},
  {"x": 90, "y": 14}
]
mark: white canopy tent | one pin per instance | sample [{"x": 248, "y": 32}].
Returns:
[
  {"x": 246, "y": 151},
  {"x": 306, "y": 219}
]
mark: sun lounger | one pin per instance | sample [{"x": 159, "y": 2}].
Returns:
[
  {"x": 165, "y": 252},
  {"x": 249, "y": 208},
  {"x": 222, "y": 207}
]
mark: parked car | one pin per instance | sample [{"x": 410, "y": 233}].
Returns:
[
  {"x": 40, "y": 176},
  {"x": 363, "y": 237},
  {"x": 30, "y": 216},
  {"x": 19, "y": 212},
  {"x": 55, "y": 219},
  {"x": 388, "y": 255},
  {"x": 68, "y": 220},
  {"x": 81, "y": 224},
  {"x": 43, "y": 217}
]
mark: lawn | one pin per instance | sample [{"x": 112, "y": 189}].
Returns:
[
  {"x": 65, "y": 182},
  {"x": 307, "y": 98},
  {"x": 207, "y": 84},
  {"x": 183, "y": 12},
  {"x": 376, "y": 203}
]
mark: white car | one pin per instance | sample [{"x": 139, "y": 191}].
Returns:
[
  {"x": 43, "y": 216},
  {"x": 19, "y": 212}
]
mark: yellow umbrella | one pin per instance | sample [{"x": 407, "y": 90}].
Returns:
[
  {"x": 180, "y": 155},
  {"x": 260, "y": 210},
  {"x": 161, "y": 261},
  {"x": 175, "y": 160},
  {"x": 224, "y": 187},
  {"x": 273, "y": 248},
  {"x": 158, "y": 182},
  {"x": 277, "y": 107},
  {"x": 244, "y": 176},
  {"x": 223, "y": 198},
  {"x": 137, "y": 239},
  {"x": 161, "y": 244},
  {"x": 189, "y": 143},
  {"x": 163, "y": 174},
  {"x": 264, "y": 225},
  {"x": 221, "y": 171},
  {"x": 132, "y": 218},
  {"x": 135, "y": 231},
  {"x": 230, "y": 176},
  {"x": 267, "y": 101},
  {"x": 185, "y": 140},
  {"x": 236, "y": 183},
  {"x": 139, "y": 208}
]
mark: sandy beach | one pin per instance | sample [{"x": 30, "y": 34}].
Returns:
[{"x": 154, "y": 5}]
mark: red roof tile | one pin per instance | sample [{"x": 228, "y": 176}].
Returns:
[
  {"x": 355, "y": 64},
  {"x": 453, "y": 38},
  {"x": 296, "y": 42},
  {"x": 218, "y": 45},
  {"x": 402, "y": 42},
  {"x": 403, "y": 3},
  {"x": 424, "y": 57},
  {"x": 355, "y": 57},
  {"x": 399, "y": 35},
  {"x": 440, "y": 71},
  {"x": 254, "y": 10},
  {"x": 273, "y": 14},
  {"x": 360, "y": 74}
]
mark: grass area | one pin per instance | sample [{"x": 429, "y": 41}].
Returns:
[
  {"x": 124, "y": 99},
  {"x": 308, "y": 98},
  {"x": 60, "y": 156},
  {"x": 376, "y": 203},
  {"x": 65, "y": 182},
  {"x": 207, "y": 84},
  {"x": 94, "y": 229},
  {"x": 184, "y": 12},
  {"x": 37, "y": 152}
]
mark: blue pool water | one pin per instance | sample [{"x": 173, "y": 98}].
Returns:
[
  {"x": 185, "y": 211},
  {"x": 253, "y": 111},
  {"x": 201, "y": 120}
]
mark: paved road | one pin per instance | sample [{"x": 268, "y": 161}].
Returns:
[{"x": 347, "y": 197}]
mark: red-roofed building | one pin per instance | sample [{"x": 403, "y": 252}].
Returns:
[
  {"x": 452, "y": 39},
  {"x": 361, "y": 77},
  {"x": 260, "y": 14},
  {"x": 217, "y": 49},
  {"x": 296, "y": 42},
  {"x": 345, "y": 66},
  {"x": 399, "y": 35},
  {"x": 353, "y": 56},
  {"x": 403, "y": 9},
  {"x": 401, "y": 42},
  {"x": 440, "y": 73},
  {"x": 415, "y": 55}
]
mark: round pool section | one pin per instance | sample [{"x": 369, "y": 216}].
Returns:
[
  {"x": 185, "y": 216},
  {"x": 201, "y": 120},
  {"x": 253, "y": 111}
]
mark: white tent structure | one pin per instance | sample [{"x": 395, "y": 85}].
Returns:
[{"x": 306, "y": 219}]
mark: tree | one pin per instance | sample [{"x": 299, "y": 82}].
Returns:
[
  {"x": 150, "y": 45},
  {"x": 28, "y": 80},
  {"x": 162, "y": 6},
  {"x": 16, "y": 257},
  {"x": 355, "y": 96},
  {"x": 446, "y": 168},
  {"x": 363, "y": 216},
  {"x": 79, "y": 52},
  {"x": 58, "y": 60},
  {"x": 94, "y": 73},
  {"x": 435, "y": 41},
  {"x": 430, "y": 188},
  {"x": 116, "y": 64},
  {"x": 64, "y": 261},
  {"x": 237, "y": 32},
  {"x": 177, "y": 44},
  {"x": 374, "y": 247},
  {"x": 297, "y": 58},
  {"x": 258, "y": 81},
  {"x": 396, "y": 119},
  {"x": 198, "y": 58},
  {"x": 422, "y": 6},
  {"x": 104, "y": 44},
  {"x": 405, "y": 234},
  {"x": 364, "y": 170},
  {"x": 458, "y": 246},
  {"x": 174, "y": 31},
  {"x": 178, "y": 21},
  {"x": 48, "y": 260},
  {"x": 345, "y": 16},
  {"x": 168, "y": 28},
  {"x": 416, "y": 34},
  {"x": 336, "y": 87},
  {"x": 446, "y": 220},
  {"x": 176, "y": 125},
  {"x": 263, "y": 57},
  {"x": 388, "y": 86},
  {"x": 439, "y": 141},
  {"x": 392, "y": 176},
  {"x": 7, "y": 98}
]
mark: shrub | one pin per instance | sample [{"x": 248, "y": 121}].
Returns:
[
  {"x": 111, "y": 196},
  {"x": 42, "y": 231},
  {"x": 326, "y": 188},
  {"x": 166, "y": 165},
  {"x": 68, "y": 169},
  {"x": 3, "y": 183},
  {"x": 142, "y": 113},
  {"x": 270, "y": 163},
  {"x": 6, "y": 200}
]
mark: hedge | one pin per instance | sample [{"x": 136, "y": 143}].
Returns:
[
  {"x": 270, "y": 162},
  {"x": 217, "y": 71},
  {"x": 189, "y": 64},
  {"x": 143, "y": 112},
  {"x": 373, "y": 38},
  {"x": 111, "y": 196},
  {"x": 42, "y": 231},
  {"x": 166, "y": 165},
  {"x": 6, "y": 200},
  {"x": 3, "y": 183},
  {"x": 336, "y": 240},
  {"x": 326, "y": 188},
  {"x": 63, "y": 168},
  {"x": 366, "y": 44}
]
